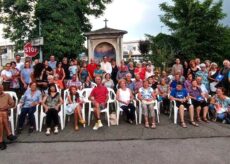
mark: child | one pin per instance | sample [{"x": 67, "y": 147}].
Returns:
[{"x": 74, "y": 106}]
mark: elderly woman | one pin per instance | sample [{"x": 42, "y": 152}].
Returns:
[
  {"x": 125, "y": 97},
  {"x": 28, "y": 102},
  {"x": 198, "y": 102},
  {"x": 51, "y": 103},
  {"x": 163, "y": 90},
  {"x": 220, "y": 104},
  {"x": 147, "y": 96},
  {"x": 107, "y": 81},
  {"x": 212, "y": 74},
  {"x": 204, "y": 74}
]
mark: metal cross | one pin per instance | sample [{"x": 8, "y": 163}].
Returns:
[{"x": 106, "y": 20}]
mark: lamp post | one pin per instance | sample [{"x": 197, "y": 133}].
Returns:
[{"x": 40, "y": 47}]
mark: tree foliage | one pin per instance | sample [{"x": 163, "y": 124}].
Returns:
[
  {"x": 163, "y": 48},
  {"x": 196, "y": 26},
  {"x": 63, "y": 22},
  {"x": 144, "y": 46}
]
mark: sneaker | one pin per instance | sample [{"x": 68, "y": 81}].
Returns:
[
  {"x": 11, "y": 137},
  {"x": 48, "y": 131},
  {"x": 99, "y": 124},
  {"x": 3, "y": 146},
  {"x": 56, "y": 130},
  {"x": 96, "y": 126}
]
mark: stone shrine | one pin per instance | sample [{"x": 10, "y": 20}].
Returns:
[{"x": 105, "y": 42}]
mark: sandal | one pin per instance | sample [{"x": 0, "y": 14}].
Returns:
[
  {"x": 153, "y": 126},
  {"x": 82, "y": 121},
  {"x": 194, "y": 123},
  {"x": 147, "y": 124},
  {"x": 198, "y": 119},
  {"x": 183, "y": 125}
]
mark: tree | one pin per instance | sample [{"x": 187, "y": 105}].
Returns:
[
  {"x": 163, "y": 49},
  {"x": 63, "y": 22},
  {"x": 195, "y": 24},
  {"x": 144, "y": 47}
]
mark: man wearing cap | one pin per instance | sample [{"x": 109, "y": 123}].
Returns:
[{"x": 106, "y": 66}]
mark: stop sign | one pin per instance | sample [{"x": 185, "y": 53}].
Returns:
[{"x": 29, "y": 50}]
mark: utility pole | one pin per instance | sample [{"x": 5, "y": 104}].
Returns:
[{"x": 40, "y": 46}]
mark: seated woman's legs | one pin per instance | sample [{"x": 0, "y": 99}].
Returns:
[
  {"x": 132, "y": 111},
  {"x": 145, "y": 112},
  {"x": 22, "y": 117}
]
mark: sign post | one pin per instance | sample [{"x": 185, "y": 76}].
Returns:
[{"x": 29, "y": 50}]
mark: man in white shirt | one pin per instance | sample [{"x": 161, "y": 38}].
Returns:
[
  {"x": 52, "y": 62},
  {"x": 106, "y": 66},
  {"x": 19, "y": 64}
]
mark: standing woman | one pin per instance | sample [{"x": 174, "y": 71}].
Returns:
[
  {"x": 26, "y": 74},
  {"x": 14, "y": 85},
  {"x": 60, "y": 71},
  {"x": 193, "y": 68},
  {"x": 124, "y": 97},
  {"x": 6, "y": 75},
  {"x": 212, "y": 74},
  {"x": 51, "y": 104},
  {"x": 28, "y": 102},
  {"x": 147, "y": 96}
]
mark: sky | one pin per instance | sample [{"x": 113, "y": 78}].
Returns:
[{"x": 139, "y": 17}]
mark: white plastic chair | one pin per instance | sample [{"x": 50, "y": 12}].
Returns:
[
  {"x": 140, "y": 109},
  {"x": 174, "y": 108},
  {"x": 111, "y": 99},
  {"x": 35, "y": 115},
  {"x": 66, "y": 93},
  {"x": 11, "y": 116},
  {"x": 120, "y": 110}
]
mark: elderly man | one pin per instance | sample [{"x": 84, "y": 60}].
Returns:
[
  {"x": 122, "y": 72},
  {"x": 106, "y": 66},
  {"x": 6, "y": 103},
  {"x": 99, "y": 98},
  {"x": 52, "y": 62}
]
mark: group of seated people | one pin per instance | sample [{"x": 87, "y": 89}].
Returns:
[{"x": 192, "y": 90}]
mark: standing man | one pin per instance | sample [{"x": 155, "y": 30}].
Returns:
[
  {"x": 91, "y": 68},
  {"x": 6, "y": 103},
  {"x": 52, "y": 63},
  {"x": 99, "y": 98},
  {"x": 19, "y": 64},
  {"x": 106, "y": 66},
  {"x": 177, "y": 67}
]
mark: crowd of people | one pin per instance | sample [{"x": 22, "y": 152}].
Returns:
[{"x": 202, "y": 88}]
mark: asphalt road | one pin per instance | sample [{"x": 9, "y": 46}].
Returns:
[{"x": 160, "y": 151}]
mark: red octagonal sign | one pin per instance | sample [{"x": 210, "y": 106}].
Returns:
[{"x": 29, "y": 50}]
